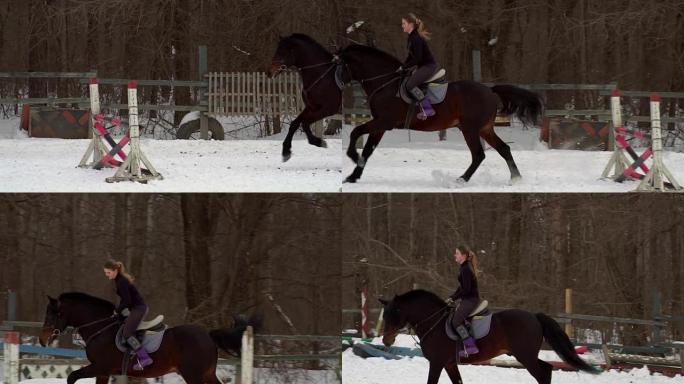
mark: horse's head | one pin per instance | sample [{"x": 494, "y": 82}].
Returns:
[
  {"x": 363, "y": 62},
  {"x": 412, "y": 308},
  {"x": 395, "y": 320},
  {"x": 55, "y": 321},
  {"x": 284, "y": 56},
  {"x": 297, "y": 50},
  {"x": 72, "y": 309}
]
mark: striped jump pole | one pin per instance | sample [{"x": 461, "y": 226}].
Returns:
[
  {"x": 656, "y": 179},
  {"x": 364, "y": 313},
  {"x": 96, "y": 149},
  {"x": 618, "y": 162},
  {"x": 131, "y": 170},
  {"x": 11, "y": 356}
]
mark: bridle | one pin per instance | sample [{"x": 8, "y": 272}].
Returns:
[
  {"x": 331, "y": 65},
  {"x": 409, "y": 326}
]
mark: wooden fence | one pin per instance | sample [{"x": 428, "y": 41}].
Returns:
[{"x": 253, "y": 93}]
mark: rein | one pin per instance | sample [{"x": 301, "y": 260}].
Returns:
[{"x": 56, "y": 332}]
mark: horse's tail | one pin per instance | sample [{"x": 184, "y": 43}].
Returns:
[
  {"x": 524, "y": 104},
  {"x": 230, "y": 339},
  {"x": 559, "y": 341}
]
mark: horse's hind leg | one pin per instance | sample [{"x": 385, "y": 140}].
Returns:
[
  {"x": 539, "y": 369},
  {"x": 471, "y": 135},
  {"x": 502, "y": 148}
]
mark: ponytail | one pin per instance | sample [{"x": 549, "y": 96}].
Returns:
[
  {"x": 471, "y": 257},
  {"x": 118, "y": 266},
  {"x": 420, "y": 25}
]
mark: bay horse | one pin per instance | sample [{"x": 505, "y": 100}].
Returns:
[
  {"x": 469, "y": 105},
  {"x": 513, "y": 331},
  {"x": 320, "y": 92},
  {"x": 188, "y": 350}
]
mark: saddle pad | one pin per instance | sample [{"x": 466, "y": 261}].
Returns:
[
  {"x": 151, "y": 340},
  {"x": 436, "y": 92},
  {"x": 479, "y": 326}
]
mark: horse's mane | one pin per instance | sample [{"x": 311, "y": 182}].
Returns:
[
  {"x": 86, "y": 299},
  {"x": 309, "y": 40},
  {"x": 420, "y": 295},
  {"x": 365, "y": 49}
]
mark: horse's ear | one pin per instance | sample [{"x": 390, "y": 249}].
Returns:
[{"x": 383, "y": 302}]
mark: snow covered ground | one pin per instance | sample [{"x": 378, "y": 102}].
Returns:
[
  {"x": 254, "y": 165},
  {"x": 49, "y": 165},
  {"x": 261, "y": 376},
  {"x": 415, "y": 370},
  {"x": 402, "y": 166}
]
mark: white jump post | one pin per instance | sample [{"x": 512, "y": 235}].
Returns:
[
  {"x": 96, "y": 148},
  {"x": 618, "y": 162},
  {"x": 247, "y": 357},
  {"x": 658, "y": 175},
  {"x": 11, "y": 353},
  {"x": 130, "y": 170}
]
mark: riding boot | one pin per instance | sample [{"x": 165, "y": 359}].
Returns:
[
  {"x": 426, "y": 109},
  {"x": 469, "y": 347},
  {"x": 142, "y": 356}
]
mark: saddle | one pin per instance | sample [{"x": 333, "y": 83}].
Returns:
[
  {"x": 435, "y": 89},
  {"x": 150, "y": 333},
  {"x": 478, "y": 322}
]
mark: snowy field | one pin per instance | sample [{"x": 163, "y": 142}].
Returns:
[
  {"x": 50, "y": 165},
  {"x": 415, "y": 370},
  {"x": 400, "y": 165}
]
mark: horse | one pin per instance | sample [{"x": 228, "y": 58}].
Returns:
[
  {"x": 513, "y": 331},
  {"x": 469, "y": 105},
  {"x": 321, "y": 94},
  {"x": 188, "y": 350}
]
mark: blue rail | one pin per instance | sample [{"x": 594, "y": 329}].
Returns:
[{"x": 60, "y": 352}]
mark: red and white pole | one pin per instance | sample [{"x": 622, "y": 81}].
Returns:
[
  {"x": 364, "y": 312},
  {"x": 11, "y": 363}
]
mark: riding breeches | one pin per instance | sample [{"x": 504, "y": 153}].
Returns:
[
  {"x": 133, "y": 320},
  {"x": 464, "y": 308},
  {"x": 421, "y": 76}
]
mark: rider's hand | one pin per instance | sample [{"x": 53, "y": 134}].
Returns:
[
  {"x": 450, "y": 302},
  {"x": 400, "y": 69},
  {"x": 125, "y": 312}
]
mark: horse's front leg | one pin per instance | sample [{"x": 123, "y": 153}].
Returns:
[
  {"x": 87, "y": 372},
  {"x": 454, "y": 373},
  {"x": 378, "y": 131},
  {"x": 435, "y": 371},
  {"x": 353, "y": 139}
]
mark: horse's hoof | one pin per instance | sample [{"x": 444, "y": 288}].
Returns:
[
  {"x": 324, "y": 144},
  {"x": 350, "y": 180},
  {"x": 515, "y": 180},
  {"x": 458, "y": 183},
  {"x": 286, "y": 157}
]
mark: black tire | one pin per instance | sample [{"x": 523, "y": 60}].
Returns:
[{"x": 186, "y": 131}]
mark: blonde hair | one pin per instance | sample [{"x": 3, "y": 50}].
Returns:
[
  {"x": 118, "y": 266},
  {"x": 471, "y": 257},
  {"x": 420, "y": 25}
]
